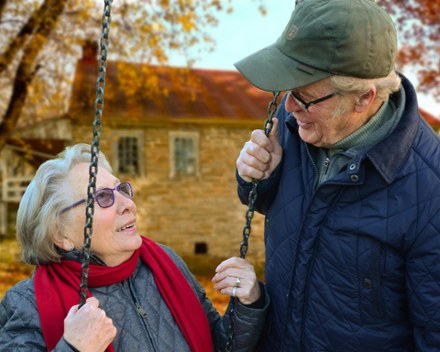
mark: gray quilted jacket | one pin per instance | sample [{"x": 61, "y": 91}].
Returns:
[{"x": 142, "y": 318}]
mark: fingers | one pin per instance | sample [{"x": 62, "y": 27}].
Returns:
[
  {"x": 260, "y": 155},
  {"x": 92, "y": 301},
  {"x": 89, "y": 327},
  {"x": 236, "y": 277},
  {"x": 233, "y": 262},
  {"x": 273, "y": 135}
]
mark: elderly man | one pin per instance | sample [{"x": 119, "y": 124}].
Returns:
[{"x": 350, "y": 186}]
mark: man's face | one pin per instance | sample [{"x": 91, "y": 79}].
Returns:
[{"x": 326, "y": 122}]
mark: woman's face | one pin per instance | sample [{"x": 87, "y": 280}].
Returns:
[{"x": 115, "y": 236}]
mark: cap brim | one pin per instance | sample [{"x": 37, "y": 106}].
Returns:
[{"x": 271, "y": 70}]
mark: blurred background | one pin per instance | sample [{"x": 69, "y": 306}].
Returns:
[{"x": 176, "y": 111}]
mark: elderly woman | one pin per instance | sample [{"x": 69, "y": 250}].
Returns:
[{"x": 142, "y": 297}]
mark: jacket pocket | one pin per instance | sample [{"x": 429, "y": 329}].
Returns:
[
  {"x": 381, "y": 278},
  {"x": 369, "y": 265}
]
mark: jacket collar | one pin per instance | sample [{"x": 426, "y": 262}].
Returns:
[{"x": 401, "y": 140}]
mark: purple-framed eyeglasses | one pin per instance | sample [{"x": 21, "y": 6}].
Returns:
[
  {"x": 105, "y": 197},
  {"x": 304, "y": 105}
]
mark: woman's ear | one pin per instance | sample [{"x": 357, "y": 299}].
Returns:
[
  {"x": 63, "y": 242},
  {"x": 366, "y": 100}
]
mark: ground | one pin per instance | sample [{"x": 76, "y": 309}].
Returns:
[{"x": 12, "y": 270}]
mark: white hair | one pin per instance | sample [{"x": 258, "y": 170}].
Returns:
[
  {"x": 39, "y": 212},
  {"x": 385, "y": 86}
]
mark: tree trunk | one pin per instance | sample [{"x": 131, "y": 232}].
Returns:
[
  {"x": 27, "y": 69},
  {"x": 17, "y": 43},
  {"x": 2, "y": 7}
]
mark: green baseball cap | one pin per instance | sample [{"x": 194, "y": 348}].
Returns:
[{"x": 323, "y": 38}]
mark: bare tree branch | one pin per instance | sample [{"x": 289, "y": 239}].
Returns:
[
  {"x": 26, "y": 31},
  {"x": 26, "y": 69}
]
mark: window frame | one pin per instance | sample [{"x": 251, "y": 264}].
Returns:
[
  {"x": 116, "y": 135},
  {"x": 194, "y": 136}
]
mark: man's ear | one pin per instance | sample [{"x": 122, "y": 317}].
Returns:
[{"x": 365, "y": 100}]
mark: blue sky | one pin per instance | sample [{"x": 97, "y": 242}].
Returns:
[
  {"x": 242, "y": 32},
  {"x": 245, "y": 31}
]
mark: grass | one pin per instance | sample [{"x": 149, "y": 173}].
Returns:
[{"x": 13, "y": 270}]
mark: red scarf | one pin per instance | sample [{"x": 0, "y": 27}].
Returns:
[{"x": 57, "y": 287}]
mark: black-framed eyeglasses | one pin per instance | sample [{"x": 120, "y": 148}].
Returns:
[
  {"x": 105, "y": 197},
  {"x": 305, "y": 105}
]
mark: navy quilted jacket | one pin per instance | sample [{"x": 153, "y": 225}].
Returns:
[{"x": 355, "y": 265}]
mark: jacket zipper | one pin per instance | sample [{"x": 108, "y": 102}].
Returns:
[{"x": 141, "y": 312}]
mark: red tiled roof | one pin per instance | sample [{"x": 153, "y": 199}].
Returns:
[{"x": 196, "y": 95}]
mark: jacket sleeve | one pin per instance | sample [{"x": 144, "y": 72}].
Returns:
[
  {"x": 248, "y": 321},
  {"x": 247, "y": 325},
  {"x": 20, "y": 324},
  {"x": 265, "y": 190},
  {"x": 423, "y": 280}
]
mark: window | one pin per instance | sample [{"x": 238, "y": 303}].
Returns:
[
  {"x": 184, "y": 153},
  {"x": 201, "y": 248},
  {"x": 128, "y": 155},
  {"x": 127, "y": 147}
]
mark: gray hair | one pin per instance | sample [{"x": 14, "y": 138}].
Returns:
[
  {"x": 359, "y": 86},
  {"x": 38, "y": 216}
]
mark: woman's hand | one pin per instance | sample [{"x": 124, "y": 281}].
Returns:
[
  {"x": 89, "y": 328},
  {"x": 236, "y": 277}
]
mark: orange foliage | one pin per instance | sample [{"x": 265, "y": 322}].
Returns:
[{"x": 418, "y": 23}]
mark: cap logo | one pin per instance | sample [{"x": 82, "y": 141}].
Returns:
[{"x": 292, "y": 32}]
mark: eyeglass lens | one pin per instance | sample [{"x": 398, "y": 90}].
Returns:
[
  {"x": 305, "y": 106},
  {"x": 301, "y": 103},
  {"x": 105, "y": 197}
]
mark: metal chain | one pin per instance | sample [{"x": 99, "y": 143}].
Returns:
[
  {"x": 268, "y": 124},
  {"x": 93, "y": 169}
]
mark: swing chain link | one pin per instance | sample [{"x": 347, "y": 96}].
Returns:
[
  {"x": 93, "y": 169},
  {"x": 268, "y": 125},
  {"x": 252, "y": 198}
]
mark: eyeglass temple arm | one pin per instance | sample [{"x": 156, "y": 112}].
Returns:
[{"x": 74, "y": 205}]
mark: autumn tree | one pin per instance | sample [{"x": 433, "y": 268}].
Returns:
[
  {"x": 40, "y": 41},
  {"x": 418, "y": 23}
]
